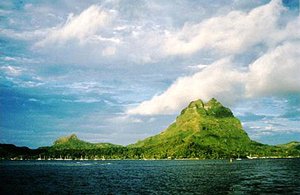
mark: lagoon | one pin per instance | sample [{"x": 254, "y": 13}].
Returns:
[{"x": 260, "y": 176}]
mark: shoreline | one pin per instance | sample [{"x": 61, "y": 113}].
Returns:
[{"x": 184, "y": 159}]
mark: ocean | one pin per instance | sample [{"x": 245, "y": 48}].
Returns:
[{"x": 260, "y": 176}]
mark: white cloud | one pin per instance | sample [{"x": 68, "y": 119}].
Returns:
[
  {"x": 198, "y": 67},
  {"x": 25, "y": 35},
  {"x": 85, "y": 25},
  {"x": 233, "y": 33},
  {"x": 274, "y": 73},
  {"x": 33, "y": 100},
  {"x": 275, "y": 126},
  {"x": 30, "y": 84},
  {"x": 219, "y": 80},
  {"x": 7, "y": 58},
  {"x": 12, "y": 70},
  {"x": 109, "y": 51},
  {"x": 20, "y": 60},
  {"x": 84, "y": 100},
  {"x": 123, "y": 118},
  {"x": 102, "y": 39}
]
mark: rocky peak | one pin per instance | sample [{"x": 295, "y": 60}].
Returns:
[
  {"x": 196, "y": 104},
  {"x": 66, "y": 139},
  {"x": 216, "y": 109},
  {"x": 73, "y": 136},
  {"x": 212, "y": 108},
  {"x": 212, "y": 103}
]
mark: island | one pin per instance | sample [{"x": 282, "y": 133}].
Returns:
[{"x": 203, "y": 130}]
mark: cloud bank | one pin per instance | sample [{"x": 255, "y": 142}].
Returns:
[
  {"x": 106, "y": 33},
  {"x": 274, "y": 73},
  {"x": 230, "y": 34}
]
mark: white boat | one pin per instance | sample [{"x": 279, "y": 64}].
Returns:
[{"x": 251, "y": 157}]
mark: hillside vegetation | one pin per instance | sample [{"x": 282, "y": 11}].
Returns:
[{"x": 201, "y": 131}]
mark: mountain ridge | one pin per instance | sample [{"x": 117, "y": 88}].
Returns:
[{"x": 202, "y": 130}]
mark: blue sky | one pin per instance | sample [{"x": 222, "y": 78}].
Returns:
[{"x": 119, "y": 71}]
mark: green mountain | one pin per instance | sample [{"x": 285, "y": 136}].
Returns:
[
  {"x": 291, "y": 146},
  {"x": 72, "y": 143},
  {"x": 204, "y": 130},
  {"x": 74, "y": 148}
]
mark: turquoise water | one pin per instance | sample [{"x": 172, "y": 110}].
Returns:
[{"x": 276, "y": 176}]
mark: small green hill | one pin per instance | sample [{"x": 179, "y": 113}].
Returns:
[
  {"x": 10, "y": 151},
  {"x": 202, "y": 130},
  {"x": 294, "y": 145},
  {"x": 72, "y": 142}
]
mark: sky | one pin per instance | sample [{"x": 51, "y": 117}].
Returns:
[{"x": 121, "y": 70}]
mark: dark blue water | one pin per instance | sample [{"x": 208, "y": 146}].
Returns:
[{"x": 281, "y": 176}]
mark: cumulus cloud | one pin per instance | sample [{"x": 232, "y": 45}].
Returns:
[
  {"x": 233, "y": 33},
  {"x": 80, "y": 27},
  {"x": 217, "y": 80},
  {"x": 274, "y": 73}
]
